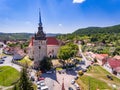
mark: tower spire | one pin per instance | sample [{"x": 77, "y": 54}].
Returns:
[
  {"x": 40, "y": 22},
  {"x": 40, "y": 35}
]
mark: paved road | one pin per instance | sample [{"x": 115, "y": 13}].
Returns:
[
  {"x": 8, "y": 62},
  {"x": 87, "y": 62}
]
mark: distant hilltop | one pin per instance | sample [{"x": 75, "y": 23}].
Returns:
[
  {"x": 17, "y": 36},
  {"x": 96, "y": 30},
  {"x": 83, "y": 31}
]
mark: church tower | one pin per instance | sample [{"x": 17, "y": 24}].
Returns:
[{"x": 39, "y": 44}]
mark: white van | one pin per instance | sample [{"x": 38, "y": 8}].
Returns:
[{"x": 44, "y": 88}]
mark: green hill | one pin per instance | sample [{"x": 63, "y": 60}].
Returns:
[
  {"x": 19, "y": 36},
  {"x": 96, "y": 30},
  {"x": 14, "y": 36}
]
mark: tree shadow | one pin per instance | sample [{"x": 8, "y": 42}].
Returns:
[
  {"x": 53, "y": 76},
  {"x": 71, "y": 72}
]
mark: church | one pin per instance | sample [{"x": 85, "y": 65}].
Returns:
[{"x": 41, "y": 46}]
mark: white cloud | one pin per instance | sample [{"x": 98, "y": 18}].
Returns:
[
  {"x": 78, "y": 1},
  {"x": 60, "y": 25}
]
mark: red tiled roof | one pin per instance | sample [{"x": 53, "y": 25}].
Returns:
[
  {"x": 52, "y": 41},
  {"x": 101, "y": 56},
  {"x": 104, "y": 55},
  {"x": 114, "y": 63}
]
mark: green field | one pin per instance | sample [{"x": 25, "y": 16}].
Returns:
[
  {"x": 95, "y": 78},
  {"x": 8, "y": 75},
  {"x": 87, "y": 82}
]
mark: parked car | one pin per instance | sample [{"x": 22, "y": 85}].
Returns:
[
  {"x": 110, "y": 77},
  {"x": 80, "y": 73},
  {"x": 44, "y": 88},
  {"x": 38, "y": 82},
  {"x": 38, "y": 86},
  {"x": 84, "y": 70},
  {"x": 88, "y": 66},
  {"x": 1, "y": 62},
  {"x": 49, "y": 72},
  {"x": 73, "y": 81},
  {"x": 77, "y": 86},
  {"x": 32, "y": 78},
  {"x": 41, "y": 78},
  {"x": 92, "y": 62},
  {"x": 4, "y": 56},
  {"x": 70, "y": 88},
  {"x": 42, "y": 84},
  {"x": 76, "y": 78},
  {"x": 82, "y": 62}
]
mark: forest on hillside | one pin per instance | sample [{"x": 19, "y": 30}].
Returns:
[
  {"x": 104, "y": 39},
  {"x": 20, "y": 36}
]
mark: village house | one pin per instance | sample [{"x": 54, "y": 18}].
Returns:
[
  {"x": 117, "y": 57},
  {"x": 100, "y": 58},
  {"x": 112, "y": 65},
  {"x": 17, "y": 53},
  {"x": 8, "y": 50}
]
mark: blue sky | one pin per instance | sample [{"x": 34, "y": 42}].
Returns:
[{"x": 58, "y": 16}]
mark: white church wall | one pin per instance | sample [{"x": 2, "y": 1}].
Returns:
[{"x": 53, "y": 49}]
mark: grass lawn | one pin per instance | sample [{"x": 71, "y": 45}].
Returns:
[
  {"x": 26, "y": 60},
  {"x": 87, "y": 82},
  {"x": 8, "y": 75},
  {"x": 96, "y": 75}
]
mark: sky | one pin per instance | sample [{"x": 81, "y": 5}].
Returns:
[{"x": 58, "y": 16}]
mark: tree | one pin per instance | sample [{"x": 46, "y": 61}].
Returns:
[
  {"x": 25, "y": 83},
  {"x": 67, "y": 51},
  {"x": 45, "y": 64},
  {"x": 64, "y": 52}
]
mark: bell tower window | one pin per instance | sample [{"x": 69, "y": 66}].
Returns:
[{"x": 39, "y": 47}]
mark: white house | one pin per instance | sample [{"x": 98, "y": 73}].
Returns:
[{"x": 113, "y": 66}]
